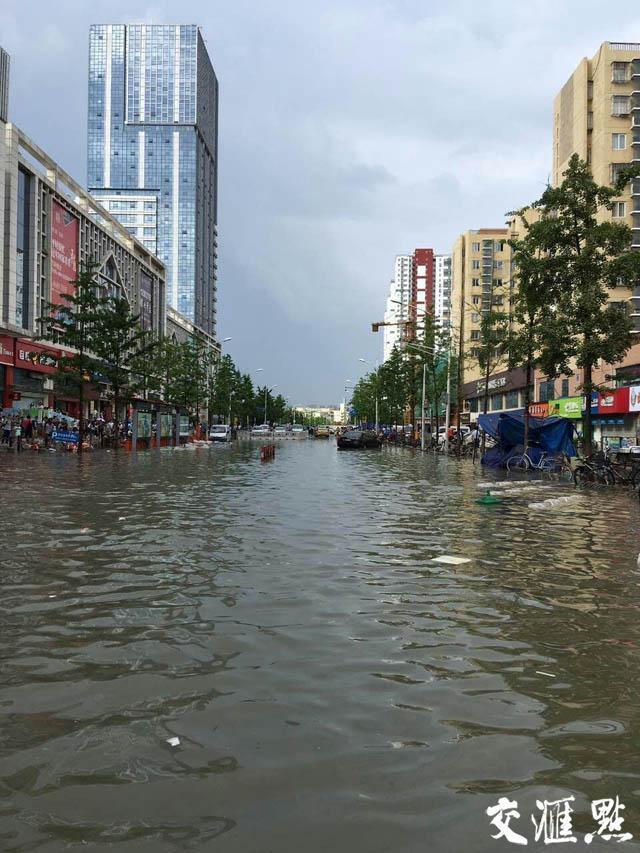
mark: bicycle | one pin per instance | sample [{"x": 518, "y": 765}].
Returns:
[
  {"x": 524, "y": 462},
  {"x": 594, "y": 470}
]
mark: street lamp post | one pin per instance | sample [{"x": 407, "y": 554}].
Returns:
[{"x": 423, "y": 350}]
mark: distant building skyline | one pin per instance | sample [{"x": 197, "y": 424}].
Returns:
[{"x": 152, "y": 151}]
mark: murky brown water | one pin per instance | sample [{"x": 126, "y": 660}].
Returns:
[{"x": 332, "y": 687}]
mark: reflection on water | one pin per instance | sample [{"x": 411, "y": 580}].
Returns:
[{"x": 332, "y": 688}]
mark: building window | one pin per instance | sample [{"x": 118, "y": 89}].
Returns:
[
  {"x": 565, "y": 387},
  {"x": 497, "y": 265},
  {"x": 619, "y": 72},
  {"x": 618, "y": 141},
  {"x": 619, "y": 209},
  {"x": 475, "y": 282},
  {"x": 475, "y": 300},
  {"x": 547, "y": 391},
  {"x": 496, "y": 402},
  {"x": 620, "y": 105},
  {"x": 473, "y": 405},
  {"x": 615, "y": 169},
  {"x": 475, "y": 247},
  {"x": 475, "y": 265},
  {"x": 475, "y": 334},
  {"x": 475, "y": 318},
  {"x": 511, "y": 400}
]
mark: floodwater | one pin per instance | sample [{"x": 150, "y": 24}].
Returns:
[{"x": 332, "y": 687}]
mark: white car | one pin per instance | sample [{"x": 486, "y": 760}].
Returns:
[
  {"x": 299, "y": 431},
  {"x": 220, "y": 432},
  {"x": 262, "y": 430},
  {"x": 280, "y": 432}
]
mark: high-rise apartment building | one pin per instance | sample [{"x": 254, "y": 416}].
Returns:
[
  {"x": 480, "y": 282},
  {"x": 398, "y": 305},
  {"x": 442, "y": 290},
  {"x": 153, "y": 151},
  {"x": 597, "y": 116}
]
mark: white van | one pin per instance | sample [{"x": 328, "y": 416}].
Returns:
[{"x": 220, "y": 432}]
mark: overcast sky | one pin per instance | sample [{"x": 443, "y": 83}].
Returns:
[{"x": 350, "y": 131}]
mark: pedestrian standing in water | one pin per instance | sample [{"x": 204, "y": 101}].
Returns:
[{"x": 17, "y": 435}]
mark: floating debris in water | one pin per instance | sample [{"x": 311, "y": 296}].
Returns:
[
  {"x": 450, "y": 560},
  {"x": 548, "y": 674},
  {"x": 85, "y": 529},
  {"x": 488, "y": 499},
  {"x": 122, "y": 518},
  {"x": 173, "y": 741},
  {"x": 550, "y": 503}
]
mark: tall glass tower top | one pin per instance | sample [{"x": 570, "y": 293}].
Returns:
[{"x": 153, "y": 151}]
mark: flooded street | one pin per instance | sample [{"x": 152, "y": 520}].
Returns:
[{"x": 332, "y": 688}]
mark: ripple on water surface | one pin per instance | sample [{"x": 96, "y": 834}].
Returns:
[{"x": 331, "y": 685}]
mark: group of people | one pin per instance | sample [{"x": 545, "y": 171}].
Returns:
[{"x": 20, "y": 431}]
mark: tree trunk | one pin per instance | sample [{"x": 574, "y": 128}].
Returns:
[
  {"x": 587, "y": 387},
  {"x": 116, "y": 409},
  {"x": 485, "y": 403},
  {"x": 527, "y": 400},
  {"x": 81, "y": 417}
]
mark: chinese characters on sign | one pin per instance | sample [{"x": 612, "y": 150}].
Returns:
[{"x": 553, "y": 824}]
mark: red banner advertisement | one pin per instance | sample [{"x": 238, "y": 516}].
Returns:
[
  {"x": 6, "y": 349},
  {"x": 30, "y": 356},
  {"x": 65, "y": 229},
  {"x": 614, "y": 402}
]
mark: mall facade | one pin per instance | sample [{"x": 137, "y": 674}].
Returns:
[{"x": 49, "y": 228}]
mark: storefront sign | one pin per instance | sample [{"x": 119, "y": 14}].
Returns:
[
  {"x": 144, "y": 424},
  {"x": 64, "y": 252},
  {"x": 67, "y": 437},
  {"x": 6, "y": 349},
  {"x": 614, "y": 402},
  {"x": 184, "y": 425},
  {"x": 31, "y": 356},
  {"x": 538, "y": 410},
  {"x": 509, "y": 380},
  {"x": 634, "y": 398},
  {"x": 566, "y": 407}
]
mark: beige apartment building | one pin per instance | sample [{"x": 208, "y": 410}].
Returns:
[
  {"x": 597, "y": 116},
  {"x": 480, "y": 281}
]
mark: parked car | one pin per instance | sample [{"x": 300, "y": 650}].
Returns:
[
  {"x": 323, "y": 432},
  {"x": 263, "y": 430},
  {"x": 280, "y": 432},
  {"x": 358, "y": 439},
  {"x": 299, "y": 431},
  {"x": 220, "y": 432}
]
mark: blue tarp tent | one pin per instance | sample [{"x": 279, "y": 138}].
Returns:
[{"x": 551, "y": 435}]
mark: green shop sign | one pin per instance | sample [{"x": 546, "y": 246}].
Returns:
[{"x": 566, "y": 407}]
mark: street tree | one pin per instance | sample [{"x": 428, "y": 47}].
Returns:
[
  {"x": 119, "y": 343},
  {"x": 589, "y": 257},
  {"x": 71, "y": 325}
]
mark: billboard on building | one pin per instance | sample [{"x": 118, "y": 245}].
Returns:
[
  {"x": 65, "y": 230},
  {"x": 146, "y": 300}
]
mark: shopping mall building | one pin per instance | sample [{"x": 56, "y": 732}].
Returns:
[{"x": 49, "y": 227}]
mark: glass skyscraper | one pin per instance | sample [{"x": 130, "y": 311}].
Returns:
[{"x": 153, "y": 151}]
